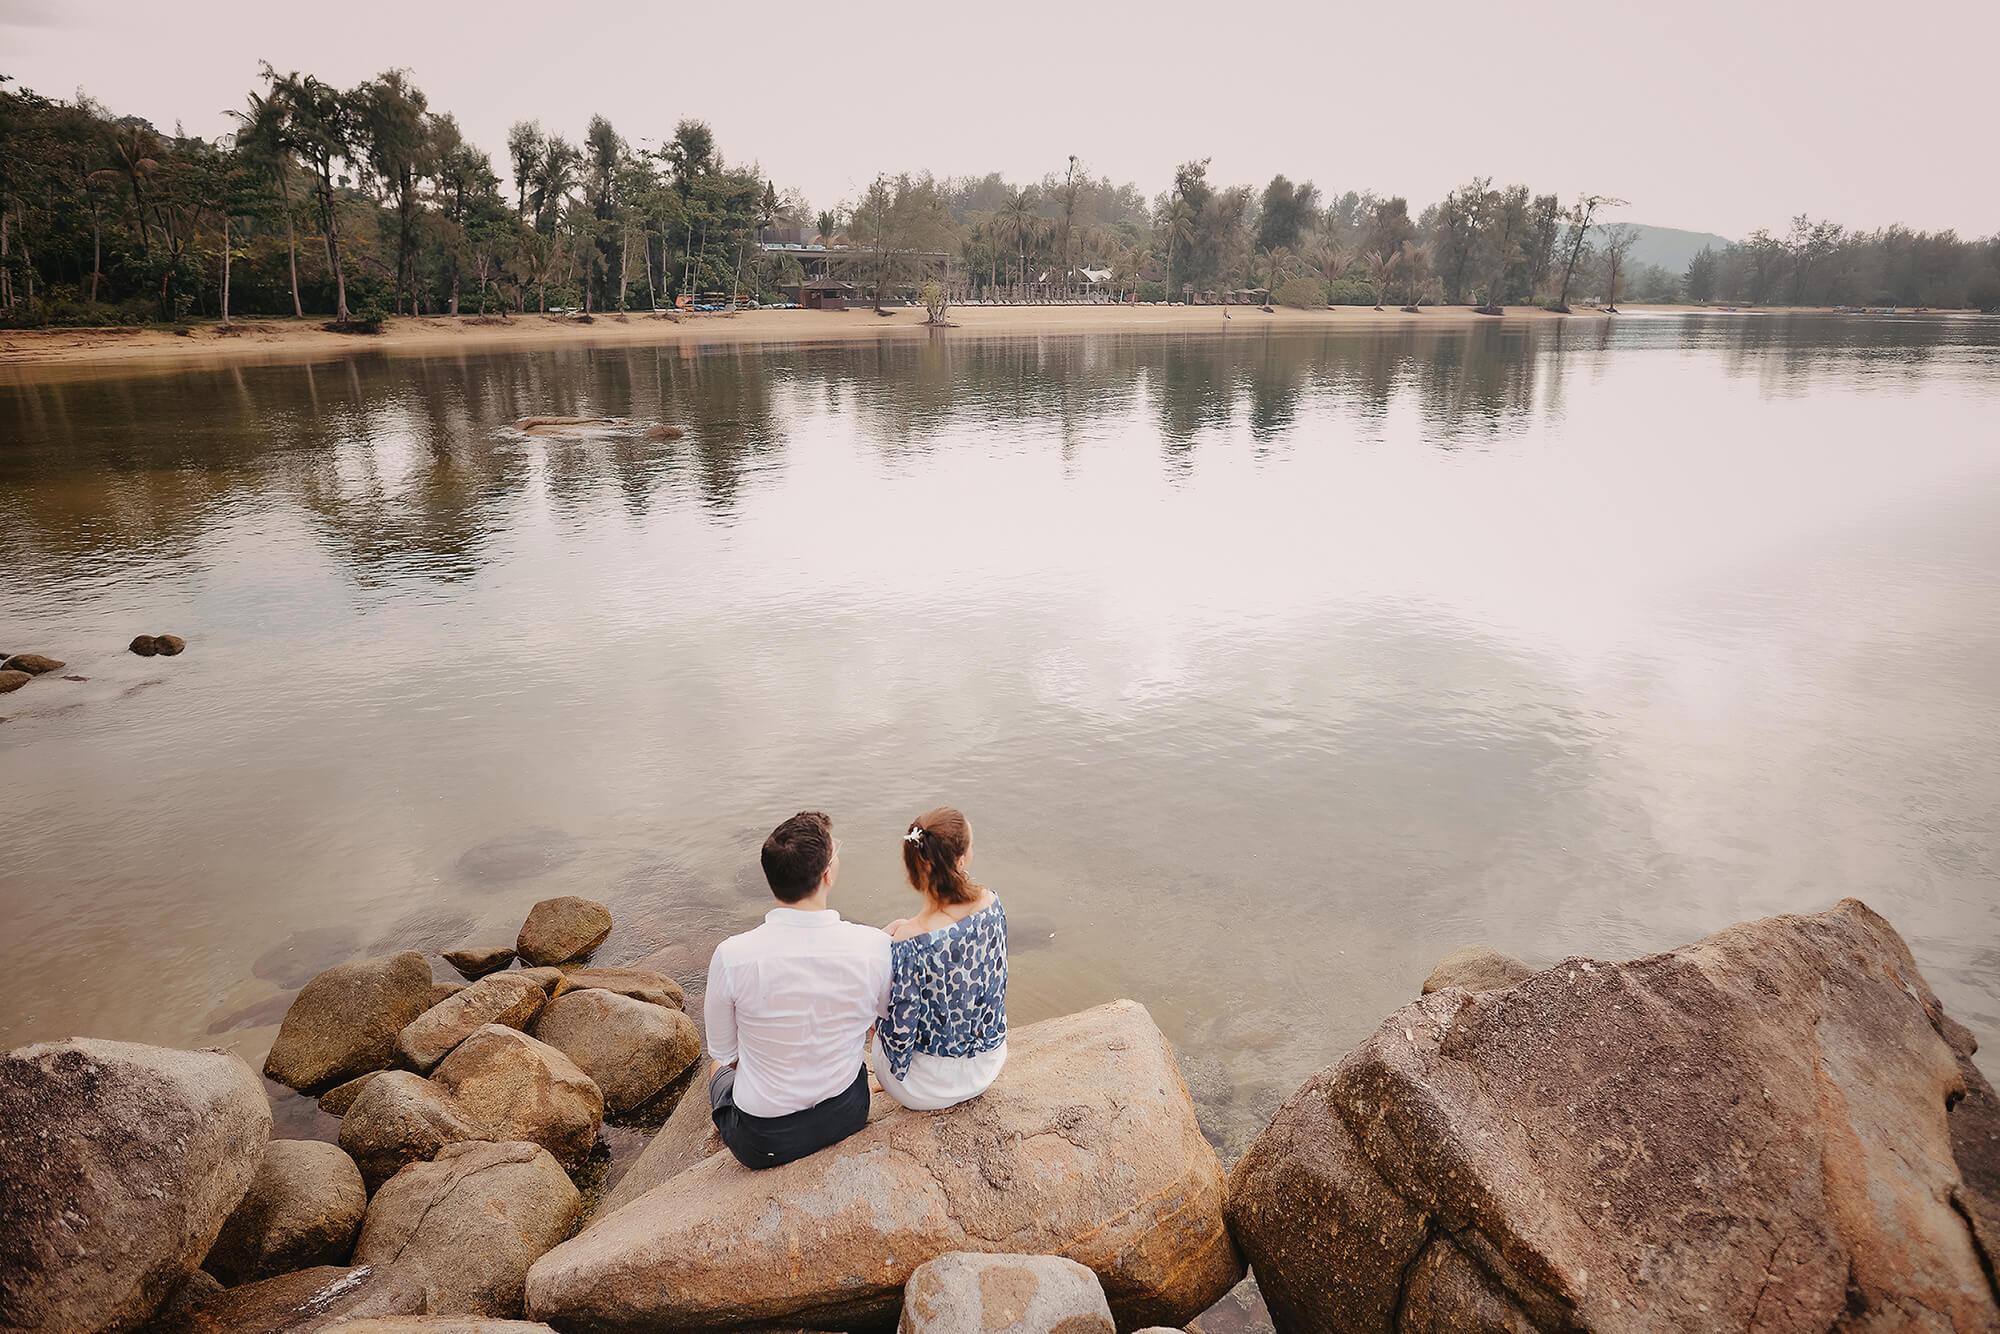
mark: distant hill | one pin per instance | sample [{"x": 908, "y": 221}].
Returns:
[{"x": 1669, "y": 247}]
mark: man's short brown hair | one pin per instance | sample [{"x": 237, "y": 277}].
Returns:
[{"x": 797, "y": 854}]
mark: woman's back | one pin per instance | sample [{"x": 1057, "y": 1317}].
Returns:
[{"x": 945, "y": 1036}]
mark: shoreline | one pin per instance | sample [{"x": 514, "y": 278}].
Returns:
[{"x": 261, "y": 339}]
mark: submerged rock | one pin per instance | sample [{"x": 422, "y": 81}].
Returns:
[
  {"x": 561, "y": 929},
  {"x": 118, "y": 1165},
  {"x": 1476, "y": 968},
  {"x": 1747, "y": 1133},
  {"x": 144, "y": 645},
  {"x": 476, "y": 961},
  {"x": 967, "y": 1292},
  {"x": 639, "y": 983},
  {"x": 14, "y": 680},
  {"x": 662, "y": 431},
  {"x": 508, "y": 999},
  {"x": 1086, "y": 1147},
  {"x": 346, "y": 1020},
  {"x": 632, "y": 1049},
  {"x": 169, "y": 645},
  {"x": 519, "y": 856},
  {"x": 687, "y": 1137},
  {"x": 34, "y": 664},
  {"x": 301, "y": 1303},
  {"x": 469, "y": 1224},
  {"x": 302, "y": 1209}
]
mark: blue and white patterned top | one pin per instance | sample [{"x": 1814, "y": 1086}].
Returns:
[{"x": 948, "y": 991}]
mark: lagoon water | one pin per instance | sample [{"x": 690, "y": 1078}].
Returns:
[{"x": 1268, "y": 667}]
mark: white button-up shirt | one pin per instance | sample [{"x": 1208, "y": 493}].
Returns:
[{"x": 791, "y": 1003}]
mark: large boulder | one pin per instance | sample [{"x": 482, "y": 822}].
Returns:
[
  {"x": 631, "y": 1048},
  {"x": 118, "y": 1165},
  {"x": 1086, "y": 1147},
  {"x": 470, "y": 1223},
  {"x": 302, "y": 1209},
  {"x": 301, "y": 1302},
  {"x": 562, "y": 929},
  {"x": 969, "y": 1293},
  {"x": 507, "y": 999},
  {"x": 1476, "y": 968},
  {"x": 515, "y": 1088},
  {"x": 344, "y": 1022},
  {"x": 400, "y": 1118},
  {"x": 442, "y": 1324},
  {"x": 336, "y": 1100},
  {"x": 1748, "y": 1133},
  {"x": 638, "y": 983},
  {"x": 688, "y": 1136}
]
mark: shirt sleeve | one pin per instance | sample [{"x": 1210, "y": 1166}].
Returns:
[
  {"x": 719, "y": 1009},
  {"x": 886, "y": 971}
]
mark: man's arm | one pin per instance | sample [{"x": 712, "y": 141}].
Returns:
[{"x": 719, "y": 1009}]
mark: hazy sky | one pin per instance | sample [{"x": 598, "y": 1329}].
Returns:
[{"x": 1717, "y": 116}]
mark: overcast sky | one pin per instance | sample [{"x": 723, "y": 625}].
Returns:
[{"x": 1715, "y": 116}]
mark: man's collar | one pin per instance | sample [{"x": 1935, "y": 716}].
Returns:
[{"x": 796, "y": 917}]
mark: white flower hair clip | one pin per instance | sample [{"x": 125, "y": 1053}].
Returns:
[{"x": 915, "y": 835}]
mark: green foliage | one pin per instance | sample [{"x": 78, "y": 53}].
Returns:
[
  {"x": 1351, "y": 292},
  {"x": 1301, "y": 293}
]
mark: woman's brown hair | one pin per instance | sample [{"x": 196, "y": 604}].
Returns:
[{"x": 931, "y": 849}]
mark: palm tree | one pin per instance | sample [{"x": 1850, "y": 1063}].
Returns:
[
  {"x": 1021, "y": 218},
  {"x": 1416, "y": 261},
  {"x": 1333, "y": 259},
  {"x": 1177, "y": 221},
  {"x": 1380, "y": 266},
  {"x": 1273, "y": 263},
  {"x": 262, "y": 138}
]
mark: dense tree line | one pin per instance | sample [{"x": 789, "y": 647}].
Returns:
[{"x": 364, "y": 202}]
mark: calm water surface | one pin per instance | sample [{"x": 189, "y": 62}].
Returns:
[{"x": 1269, "y": 668}]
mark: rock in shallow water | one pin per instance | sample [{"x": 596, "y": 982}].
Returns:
[
  {"x": 303, "y": 1209},
  {"x": 1086, "y": 1147},
  {"x": 1750, "y": 1132},
  {"x": 14, "y": 680},
  {"x": 476, "y": 961},
  {"x": 118, "y": 1164},
  {"x": 145, "y": 646},
  {"x": 34, "y": 664},
  {"x": 345, "y": 1021},
  {"x": 518, "y": 856},
  {"x": 561, "y": 929},
  {"x": 1476, "y": 968},
  {"x": 469, "y": 1223},
  {"x": 169, "y": 645},
  {"x": 631, "y": 1048}
]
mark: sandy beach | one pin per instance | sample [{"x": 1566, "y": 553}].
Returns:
[{"x": 253, "y": 340}]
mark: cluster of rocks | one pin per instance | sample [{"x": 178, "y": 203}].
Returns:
[
  {"x": 1775, "y": 1128},
  {"x": 16, "y": 670},
  {"x": 162, "y": 646}
]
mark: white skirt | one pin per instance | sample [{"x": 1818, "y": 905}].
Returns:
[{"x": 938, "y": 1081}]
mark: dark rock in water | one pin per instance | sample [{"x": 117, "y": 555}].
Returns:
[
  {"x": 469, "y": 1223},
  {"x": 304, "y": 1208},
  {"x": 303, "y": 955},
  {"x": 118, "y": 1164},
  {"x": 1086, "y": 1147},
  {"x": 687, "y": 1137},
  {"x": 265, "y": 1012},
  {"x": 34, "y": 664},
  {"x": 301, "y": 1303},
  {"x": 631, "y": 1048},
  {"x": 169, "y": 645},
  {"x": 1752, "y": 1132},
  {"x": 501, "y": 998},
  {"x": 397, "y": 1119},
  {"x": 336, "y": 1100},
  {"x": 562, "y": 929},
  {"x": 145, "y": 646},
  {"x": 14, "y": 680},
  {"x": 519, "y": 856},
  {"x": 964, "y": 1292},
  {"x": 476, "y": 961},
  {"x": 1476, "y": 968},
  {"x": 428, "y": 930},
  {"x": 639, "y": 983},
  {"x": 662, "y": 431},
  {"x": 345, "y": 1021},
  {"x": 76, "y": 678}
]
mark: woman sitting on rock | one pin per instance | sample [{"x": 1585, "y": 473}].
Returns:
[{"x": 943, "y": 1037}]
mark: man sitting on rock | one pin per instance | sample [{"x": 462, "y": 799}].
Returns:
[{"x": 790, "y": 1006}]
